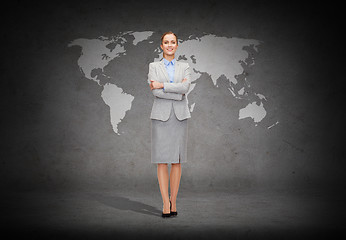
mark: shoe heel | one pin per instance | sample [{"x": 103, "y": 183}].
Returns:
[
  {"x": 170, "y": 208},
  {"x": 165, "y": 215}
]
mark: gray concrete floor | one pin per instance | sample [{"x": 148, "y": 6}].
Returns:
[{"x": 134, "y": 214}]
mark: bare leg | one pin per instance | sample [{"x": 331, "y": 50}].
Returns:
[
  {"x": 175, "y": 176},
  {"x": 163, "y": 177}
]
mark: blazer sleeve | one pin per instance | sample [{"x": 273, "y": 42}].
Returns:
[
  {"x": 182, "y": 87},
  {"x": 159, "y": 92}
]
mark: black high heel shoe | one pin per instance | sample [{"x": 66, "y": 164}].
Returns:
[
  {"x": 170, "y": 208},
  {"x": 164, "y": 215}
]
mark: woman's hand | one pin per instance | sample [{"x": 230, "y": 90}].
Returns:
[
  {"x": 185, "y": 79},
  {"x": 155, "y": 85}
]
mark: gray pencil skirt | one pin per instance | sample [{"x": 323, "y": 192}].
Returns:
[{"x": 169, "y": 140}]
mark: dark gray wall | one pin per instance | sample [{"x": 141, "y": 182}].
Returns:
[{"x": 57, "y": 131}]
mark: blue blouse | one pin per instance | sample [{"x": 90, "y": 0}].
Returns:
[{"x": 170, "y": 66}]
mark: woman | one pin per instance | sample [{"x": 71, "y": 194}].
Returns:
[{"x": 169, "y": 82}]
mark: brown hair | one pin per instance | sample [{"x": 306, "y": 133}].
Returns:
[{"x": 169, "y": 32}]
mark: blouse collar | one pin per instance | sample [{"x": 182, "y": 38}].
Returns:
[{"x": 168, "y": 62}]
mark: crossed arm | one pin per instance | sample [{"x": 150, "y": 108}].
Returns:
[{"x": 173, "y": 91}]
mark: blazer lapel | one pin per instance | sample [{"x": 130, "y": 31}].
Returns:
[
  {"x": 164, "y": 70},
  {"x": 176, "y": 71}
]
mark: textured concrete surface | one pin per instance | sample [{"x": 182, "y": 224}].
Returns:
[
  {"x": 128, "y": 214},
  {"x": 59, "y": 153}
]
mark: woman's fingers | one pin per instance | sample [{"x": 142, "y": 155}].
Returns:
[
  {"x": 155, "y": 84},
  {"x": 152, "y": 84}
]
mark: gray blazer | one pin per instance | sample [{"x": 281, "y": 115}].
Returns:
[{"x": 174, "y": 94}]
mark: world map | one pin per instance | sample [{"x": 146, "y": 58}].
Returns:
[{"x": 214, "y": 55}]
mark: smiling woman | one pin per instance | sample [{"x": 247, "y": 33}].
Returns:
[
  {"x": 169, "y": 45},
  {"x": 169, "y": 81}
]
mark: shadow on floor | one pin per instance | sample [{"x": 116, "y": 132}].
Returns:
[{"x": 123, "y": 203}]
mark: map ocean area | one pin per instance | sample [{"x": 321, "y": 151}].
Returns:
[{"x": 216, "y": 56}]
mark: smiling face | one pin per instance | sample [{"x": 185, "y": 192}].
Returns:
[{"x": 169, "y": 45}]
